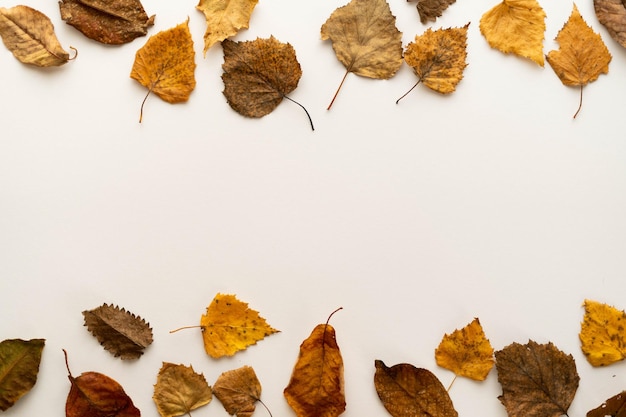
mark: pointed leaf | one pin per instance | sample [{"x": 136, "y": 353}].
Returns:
[
  {"x": 613, "y": 407},
  {"x": 19, "y": 367},
  {"x": 430, "y": 10},
  {"x": 602, "y": 334},
  {"x": 179, "y": 389},
  {"x": 238, "y": 390},
  {"x": 224, "y": 18}
]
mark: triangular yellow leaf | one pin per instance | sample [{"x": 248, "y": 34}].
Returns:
[{"x": 602, "y": 334}]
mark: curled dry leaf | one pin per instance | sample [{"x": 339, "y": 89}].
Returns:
[
  {"x": 430, "y": 10},
  {"x": 19, "y": 367},
  {"x": 612, "y": 14},
  {"x": 29, "y": 35},
  {"x": 224, "y": 18},
  {"x": 602, "y": 334},
  {"x": 613, "y": 407},
  {"x": 179, "y": 389},
  {"x": 238, "y": 390}
]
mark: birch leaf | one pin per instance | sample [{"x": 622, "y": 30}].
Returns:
[
  {"x": 430, "y": 10},
  {"x": 179, "y": 389},
  {"x": 19, "y": 367},
  {"x": 603, "y": 334},
  {"x": 238, "y": 390},
  {"x": 224, "y": 18}
]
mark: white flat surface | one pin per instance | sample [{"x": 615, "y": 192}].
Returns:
[{"x": 491, "y": 202}]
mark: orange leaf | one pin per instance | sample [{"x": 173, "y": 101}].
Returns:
[{"x": 238, "y": 390}]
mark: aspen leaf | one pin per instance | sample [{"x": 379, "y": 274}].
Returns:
[
  {"x": 517, "y": 27},
  {"x": 238, "y": 390},
  {"x": 581, "y": 57},
  {"x": 536, "y": 379},
  {"x": 224, "y": 18},
  {"x": 166, "y": 65},
  {"x": 613, "y": 407},
  {"x": 19, "y": 367},
  {"x": 602, "y": 334},
  {"x": 407, "y": 391},
  {"x": 179, "y": 389},
  {"x": 612, "y": 14},
  {"x": 430, "y": 10}
]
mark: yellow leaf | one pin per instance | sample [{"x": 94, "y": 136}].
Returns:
[
  {"x": 602, "y": 334},
  {"x": 179, "y": 389},
  {"x": 516, "y": 26},
  {"x": 224, "y": 18}
]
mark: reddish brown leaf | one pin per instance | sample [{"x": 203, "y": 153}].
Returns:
[{"x": 613, "y": 407}]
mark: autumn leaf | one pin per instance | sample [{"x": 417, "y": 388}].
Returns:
[
  {"x": 602, "y": 334},
  {"x": 316, "y": 387},
  {"x": 438, "y": 58},
  {"x": 407, "y": 391},
  {"x": 238, "y": 390},
  {"x": 517, "y": 27},
  {"x": 224, "y": 18},
  {"x": 612, "y": 14},
  {"x": 613, "y": 407},
  {"x": 430, "y": 10},
  {"x": 581, "y": 57},
  {"x": 466, "y": 352},
  {"x": 365, "y": 39},
  {"x": 536, "y": 379},
  {"x": 110, "y": 22},
  {"x": 29, "y": 35},
  {"x": 179, "y": 389},
  {"x": 166, "y": 65},
  {"x": 19, "y": 367}
]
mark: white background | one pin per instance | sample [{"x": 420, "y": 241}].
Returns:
[{"x": 491, "y": 202}]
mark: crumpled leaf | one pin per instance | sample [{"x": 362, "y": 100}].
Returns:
[
  {"x": 430, "y": 10},
  {"x": 238, "y": 390},
  {"x": 179, "y": 389},
  {"x": 613, "y": 407},
  {"x": 316, "y": 387},
  {"x": 537, "y": 379},
  {"x": 120, "y": 332},
  {"x": 93, "y": 394},
  {"x": 602, "y": 334},
  {"x": 365, "y": 39},
  {"x": 224, "y": 18},
  {"x": 582, "y": 55},
  {"x": 466, "y": 352},
  {"x": 109, "y": 22},
  {"x": 516, "y": 26},
  {"x": 29, "y": 35},
  {"x": 19, "y": 367},
  {"x": 612, "y": 14},
  {"x": 166, "y": 65}
]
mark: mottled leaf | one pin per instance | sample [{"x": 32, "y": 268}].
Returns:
[
  {"x": 603, "y": 334},
  {"x": 238, "y": 390},
  {"x": 612, "y": 14},
  {"x": 19, "y": 367},
  {"x": 179, "y": 389},
  {"x": 430, "y": 10}
]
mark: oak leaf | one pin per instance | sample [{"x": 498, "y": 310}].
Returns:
[
  {"x": 19, "y": 367},
  {"x": 224, "y": 18},
  {"x": 582, "y": 55},
  {"x": 516, "y": 26},
  {"x": 365, "y": 39},
  {"x": 166, "y": 65},
  {"x": 109, "y": 22},
  {"x": 536, "y": 379},
  {"x": 238, "y": 390},
  {"x": 430, "y": 10},
  {"x": 466, "y": 352},
  {"x": 612, "y": 14},
  {"x": 179, "y": 389},
  {"x": 613, "y": 407},
  {"x": 407, "y": 391},
  {"x": 29, "y": 35},
  {"x": 316, "y": 386},
  {"x": 603, "y": 334}
]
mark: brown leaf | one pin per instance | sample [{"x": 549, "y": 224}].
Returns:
[
  {"x": 179, "y": 389},
  {"x": 430, "y": 10},
  {"x": 602, "y": 334},
  {"x": 613, "y": 407},
  {"x": 119, "y": 331},
  {"x": 19, "y": 367},
  {"x": 537, "y": 380},
  {"x": 224, "y": 18},
  {"x": 612, "y": 14},
  {"x": 407, "y": 391},
  {"x": 238, "y": 390},
  {"x": 29, "y": 35},
  {"x": 110, "y": 22}
]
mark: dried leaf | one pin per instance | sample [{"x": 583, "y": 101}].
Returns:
[
  {"x": 430, "y": 10},
  {"x": 316, "y": 387},
  {"x": 365, "y": 39},
  {"x": 110, "y": 22},
  {"x": 119, "y": 331},
  {"x": 582, "y": 56},
  {"x": 224, "y": 18},
  {"x": 613, "y": 407},
  {"x": 602, "y": 334},
  {"x": 407, "y": 391},
  {"x": 19, "y": 367},
  {"x": 466, "y": 352},
  {"x": 612, "y": 14},
  {"x": 516, "y": 26},
  {"x": 537, "y": 380},
  {"x": 179, "y": 389},
  {"x": 166, "y": 65},
  {"x": 238, "y": 390},
  {"x": 29, "y": 35}
]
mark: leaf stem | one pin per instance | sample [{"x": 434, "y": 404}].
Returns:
[
  {"x": 67, "y": 365},
  {"x": 339, "y": 88},
  {"x": 451, "y": 383},
  {"x": 263, "y": 404},
  {"x": 142, "y": 103},
  {"x": 580, "y": 104},
  {"x": 307, "y": 114},
  {"x": 411, "y": 89},
  {"x": 185, "y": 327}
]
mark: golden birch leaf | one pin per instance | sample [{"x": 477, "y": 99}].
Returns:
[
  {"x": 19, "y": 367},
  {"x": 466, "y": 352},
  {"x": 602, "y": 334},
  {"x": 166, "y": 65},
  {"x": 179, "y": 389},
  {"x": 612, "y": 14},
  {"x": 430, "y": 10},
  {"x": 517, "y": 27},
  {"x": 238, "y": 390},
  {"x": 29, "y": 35},
  {"x": 582, "y": 55},
  {"x": 224, "y": 18},
  {"x": 365, "y": 39}
]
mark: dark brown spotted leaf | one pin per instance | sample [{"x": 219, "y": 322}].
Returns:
[
  {"x": 430, "y": 10},
  {"x": 613, "y": 407}
]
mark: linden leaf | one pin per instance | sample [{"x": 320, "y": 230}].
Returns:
[
  {"x": 582, "y": 56},
  {"x": 29, "y": 35},
  {"x": 516, "y": 26},
  {"x": 365, "y": 39},
  {"x": 466, "y": 352},
  {"x": 612, "y": 14},
  {"x": 109, "y": 22},
  {"x": 613, "y": 407},
  {"x": 166, "y": 65},
  {"x": 602, "y": 334},
  {"x": 316, "y": 387},
  {"x": 438, "y": 58},
  {"x": 258, "y": 75},
  {"x": 224, "y": 18},
  {"x": 430, "y": 10},
  {"x": 407, "y": 391},
  {"x": 179, "y": 389},
  {"x": 537, "y": 380},
  {"x": 238, "y": 390},
  {"x": 19, "y": 367}
]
